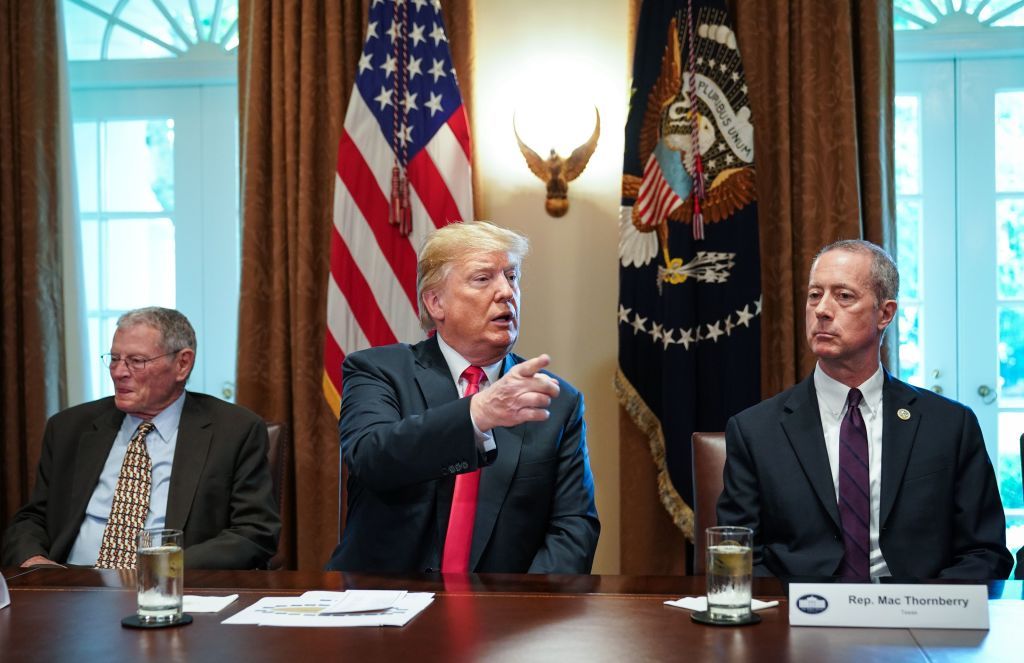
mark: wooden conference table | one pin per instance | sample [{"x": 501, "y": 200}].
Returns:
[{"x": 75, "y": 614}]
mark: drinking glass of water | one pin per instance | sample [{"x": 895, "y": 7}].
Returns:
[
  {"x": 160, "y": 576},
  {"x": 730, "y": 567}
]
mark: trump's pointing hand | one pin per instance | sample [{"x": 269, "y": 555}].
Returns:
[{"x": 522, "y": 394}]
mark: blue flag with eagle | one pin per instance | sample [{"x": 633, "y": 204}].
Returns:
[{"x": 689, "y": 263}]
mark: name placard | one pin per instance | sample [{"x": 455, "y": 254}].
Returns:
[
  {"x": 5, "y": 597},
  {"x": 888, "y": 606}
]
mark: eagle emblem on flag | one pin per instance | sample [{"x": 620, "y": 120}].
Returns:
[{"x": 679, "y": 147}]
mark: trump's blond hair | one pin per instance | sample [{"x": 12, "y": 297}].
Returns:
[{"x": 450, "y": 243}]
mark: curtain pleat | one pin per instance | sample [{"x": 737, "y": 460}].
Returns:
[
  {"x": 821, "y": 88},
  {"x": 31, "y": 294}
]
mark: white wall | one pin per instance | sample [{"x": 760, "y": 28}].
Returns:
[{"x": 554, "y": 55}]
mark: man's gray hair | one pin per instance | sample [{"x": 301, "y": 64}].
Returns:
[
  {"x": 176, "y": 332},
  {"x": 454, "y": 241},
  {"x": 885, "y": 278}
]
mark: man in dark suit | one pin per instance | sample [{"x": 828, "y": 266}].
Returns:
[
  {"x": 496, "y": 481},
  {"x": 207, "y": 464},
  {"x": 890, "y": 480}
]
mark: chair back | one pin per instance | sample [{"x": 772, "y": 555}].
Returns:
[
  {"x": 279, "y": 453},
  {"x": 708, "y": 463}
]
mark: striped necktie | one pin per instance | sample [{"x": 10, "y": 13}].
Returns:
[
  {"x": 130, "y": 506},
  {"x": 854, "y": 483},
  {"x": 459, "y": 540}
]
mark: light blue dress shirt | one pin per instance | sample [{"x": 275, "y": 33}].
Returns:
[{"x": 160, "y": 444}]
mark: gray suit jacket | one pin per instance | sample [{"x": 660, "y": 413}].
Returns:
[
  {"x": 940, "y": 515},
  {"x": 405, "y": 434},
  {"x": 220, "y": 493}
]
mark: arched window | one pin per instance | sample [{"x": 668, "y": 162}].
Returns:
[{"x": 154, "y": 110}]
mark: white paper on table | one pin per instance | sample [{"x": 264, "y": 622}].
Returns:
[
  {"x": 307, "y": 611},
  {"x": 5, "y": 596},
  {"x": 700, "y": 603},
  {"x": 193, "y": 603},
  {"x": 357, "y": 600}
]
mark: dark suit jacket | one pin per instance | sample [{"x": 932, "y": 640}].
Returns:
[
  {"x": 405, "y": 434},
  {"x": 940, "y": 514},
  {"x": 220, "y": 493}
]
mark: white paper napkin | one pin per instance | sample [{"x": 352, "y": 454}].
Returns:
[
  {"x": 192, "y": 603},
  {"x": 700, "y": 603}
]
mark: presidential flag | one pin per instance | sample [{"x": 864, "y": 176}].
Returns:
[
  {"x": 403, "y": 169},
  {"x": 689, "y": 264}
]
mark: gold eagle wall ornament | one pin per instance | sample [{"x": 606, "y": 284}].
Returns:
[{"x": 557, "y": 172}]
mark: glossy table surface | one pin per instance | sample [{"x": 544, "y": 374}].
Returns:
[{"x": 74, "y": 614}]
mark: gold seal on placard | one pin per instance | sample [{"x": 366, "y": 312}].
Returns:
[{"x": 903, "y": 413}]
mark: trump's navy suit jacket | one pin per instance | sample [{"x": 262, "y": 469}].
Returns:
[
  {"x": 406, "y": 434},
  {"x": 940, "y": 514}
]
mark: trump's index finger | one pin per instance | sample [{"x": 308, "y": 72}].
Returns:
[{"x": 530, "y": 367}]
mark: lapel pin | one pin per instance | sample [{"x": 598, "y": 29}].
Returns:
[{"x": 903, "y": 413}]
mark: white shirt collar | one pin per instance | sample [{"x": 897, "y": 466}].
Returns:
[
  {"x": 457, "y": 363},
  {"x": 833, "y": 393}
]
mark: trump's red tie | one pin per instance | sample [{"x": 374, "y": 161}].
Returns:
[{"x": 460, "y": 522}]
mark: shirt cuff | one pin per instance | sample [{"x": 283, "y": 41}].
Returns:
[{"x": 484, "y": 441}]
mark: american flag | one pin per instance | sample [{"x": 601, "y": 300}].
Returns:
[{"x": 405, "y": 123}]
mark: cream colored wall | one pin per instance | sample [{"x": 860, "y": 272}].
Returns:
[{"x": 563, "y": 49}]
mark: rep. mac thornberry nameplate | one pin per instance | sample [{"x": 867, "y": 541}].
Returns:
[{"x": 888, "y": 606}]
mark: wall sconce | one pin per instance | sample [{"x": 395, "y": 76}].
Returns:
[{"x": 557, "y": 172}]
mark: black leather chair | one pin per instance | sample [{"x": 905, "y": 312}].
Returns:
[
  {"x": 708, "y": 451},
  {"x": 279, "y": 455}
]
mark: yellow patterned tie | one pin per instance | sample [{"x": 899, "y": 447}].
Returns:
[{"x": 130, "y": 506}]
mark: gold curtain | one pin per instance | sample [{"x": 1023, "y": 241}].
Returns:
[
  {"x": 297, "y": 61},
  {"x": 821, "y": 87},
  {"x": 31, "y": 305}
]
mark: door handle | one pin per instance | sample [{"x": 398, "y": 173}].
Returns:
[{"x": 988, "y": 395}]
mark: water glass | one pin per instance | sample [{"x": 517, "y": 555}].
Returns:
[
  {"x": 730, "y": 567},
  {"x": 160, "y": 575}
]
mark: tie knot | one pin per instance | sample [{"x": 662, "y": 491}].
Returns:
[
  {"x": 473, "y": 375},
  {"x": 144, "y": 429},
  {"x": 854, "y": 398}
]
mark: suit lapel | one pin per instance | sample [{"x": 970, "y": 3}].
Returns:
[
  {"x": 436, "y": 386},
  {"x": 190, "y": 451},
  {"x": 897, "y": 440},
  {"x": 90, "y": 457},
  {"x": 495, "y": 480},
  {"x": 802, "y": 424}
]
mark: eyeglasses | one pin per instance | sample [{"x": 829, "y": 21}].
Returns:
[{"x": 135, "y": 364}]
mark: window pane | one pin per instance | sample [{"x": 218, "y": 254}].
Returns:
[
  {"x": 126, "y": 45},
  {"x": 1011, "y": 426},
  {"x": 908, "y": 144},
  {"x": 139, "y": 263},
  {"x": 145, "y": 16},
  {"x": 1010, "y": 247},
  {"x": 139, "y": 165},
  {"x": 1011, "y": 353},
  {"x": 83, "y": 32},
  {"x": 86, "y": 165},
  {"x": 101, "y": 333},
  {"x": 996, "y": 6},
  {"x": 181, "y": 10},
  {"x": 91, "y": 262},
  {"x": 1010, "y": 141},
  {"x": 911, "y": 352},
  {"x": 909, "y": 247}
]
